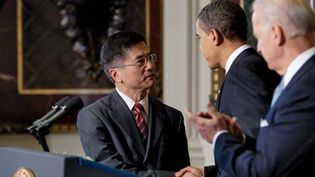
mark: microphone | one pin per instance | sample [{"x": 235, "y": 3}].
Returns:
[
  {"x": 69, "y": 107},
  {"x": 65, "y": 106},
  {"x": 56, "y": 107}
]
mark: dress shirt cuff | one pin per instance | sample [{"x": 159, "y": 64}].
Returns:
[{"x": 215, "y": 137}]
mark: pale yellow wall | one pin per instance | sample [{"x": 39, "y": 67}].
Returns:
[{"x": 58, "y": 143}]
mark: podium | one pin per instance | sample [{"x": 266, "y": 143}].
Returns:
[{"x": 17, "y": 161}]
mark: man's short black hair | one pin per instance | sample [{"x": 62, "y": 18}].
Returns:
[
  {"x": 225, "y": 16},
  {"x": 114, "y": 49}
]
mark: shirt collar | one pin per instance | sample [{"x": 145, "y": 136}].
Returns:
[
  {"x": 130, "y": 102},
  {"x": 233, "y": 56},
  {"x": 296, "y": 64}
]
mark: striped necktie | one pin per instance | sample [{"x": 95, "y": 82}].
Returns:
[{"x": 137, "y": 110}]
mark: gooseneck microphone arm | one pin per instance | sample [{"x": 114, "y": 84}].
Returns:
[
  {"x": 40, "y": 128},
  {"x": 55, "y": 108}
]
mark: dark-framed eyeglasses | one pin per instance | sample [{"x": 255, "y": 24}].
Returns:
[{"x": 141, "y": 61}]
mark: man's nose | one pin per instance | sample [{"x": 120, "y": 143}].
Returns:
[{"x": 150, "y": 63}]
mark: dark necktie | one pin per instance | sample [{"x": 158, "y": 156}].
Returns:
[{"x": 137, "y": 109}]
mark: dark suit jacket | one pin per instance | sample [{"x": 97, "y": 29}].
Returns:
[
  {"x": 109, "y": 135},
  {"x": 287, "y": 142},
  {"x": 246, "y": 93},
  {"x": 247, "y": 90}
]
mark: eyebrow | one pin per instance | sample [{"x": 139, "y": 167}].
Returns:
[{"x": 140, "y": 56}]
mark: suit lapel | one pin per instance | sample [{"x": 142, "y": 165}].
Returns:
[
  {"x": 217, "y": 104},
  {"x": 244, "y": 54},
  {"x": 155, "y": 125},
  {"x": 237, "y": 60},
  {"x": 306, "y": 66},
  {"x": 123, "y": 118}
]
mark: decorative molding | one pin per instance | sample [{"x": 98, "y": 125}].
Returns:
[
  {"x": 187, "y": 85},
  {"x": 85, "y": 39},
  {"x": 217, "y": 78}
]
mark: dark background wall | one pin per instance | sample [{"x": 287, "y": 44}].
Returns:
[{"x": 43, "y": 66}]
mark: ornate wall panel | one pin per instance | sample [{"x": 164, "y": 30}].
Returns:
[{"x": 51, "y": 49}]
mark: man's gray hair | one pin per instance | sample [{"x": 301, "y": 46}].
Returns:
[{"x": 296, "y": 17}]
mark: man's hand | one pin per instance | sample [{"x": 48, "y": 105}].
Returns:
[
  {"x": 210, "y": 122},
  {"x": 190, "y": 172},
  {"x": 235, "y": 129}
]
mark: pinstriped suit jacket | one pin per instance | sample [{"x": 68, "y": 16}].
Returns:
[{"x": 109, "y": 135}]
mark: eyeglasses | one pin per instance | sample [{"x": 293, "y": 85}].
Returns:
[{"x": 141, "y": 61}]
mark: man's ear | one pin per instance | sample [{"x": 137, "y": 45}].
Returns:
[
  {"x": 115, "y": 74},
  {"x": 216, "y": 37},
  {"x": 278, "y": 35}
]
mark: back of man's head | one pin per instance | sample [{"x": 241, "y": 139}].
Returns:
[{"x": 225, "y": 16}]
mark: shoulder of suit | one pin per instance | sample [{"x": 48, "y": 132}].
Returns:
[
  {"x": 100, "y": 103},
  {"x": 158, "y": 103}
]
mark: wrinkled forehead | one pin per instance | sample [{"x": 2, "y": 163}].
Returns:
[{"x": 137, "y": 50}]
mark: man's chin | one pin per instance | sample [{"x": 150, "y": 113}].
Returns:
[{"x": 150, "y": 83}]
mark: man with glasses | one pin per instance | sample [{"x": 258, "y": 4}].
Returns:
[{"x": 128, "y": 129}]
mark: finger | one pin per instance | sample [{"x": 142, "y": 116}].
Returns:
[
  {"x": 179, "y": 174},
  {"x": 215, "y": 114},
  {"x": 209, "y": 104},
  {"x": 203, "y": 114},
  {"x": 195, "y": 171},
  {"x": 199, "y": 121},
  {"x": 192, "y": 170},
  {"x": 182, "y": 172},
  {"x": 233, "y": 120},
  {"x": 202, "y": 124},
  {"x": 200, "y": 113},
  {"x": 188, "y": 112},
  {"x": 211, "y": 110},
  {"x": 210, "y": 107},
  {"x": 191, "y": 117}
]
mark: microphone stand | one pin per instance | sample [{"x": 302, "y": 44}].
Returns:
[
  {"x": 40, "y": 128},
  {"x": 39, "y": 132}
]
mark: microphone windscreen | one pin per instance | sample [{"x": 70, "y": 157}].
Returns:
[
  {"x": 73, "y": 104},
  {"x": 61, "y": 102}
]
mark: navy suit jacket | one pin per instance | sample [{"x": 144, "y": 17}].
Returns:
[
  {"x": 247, "y": 90},
  {"x": 110, "y": 136},
  {"x": 286, "y": 146},
  {"x": 246, "y": 93}
]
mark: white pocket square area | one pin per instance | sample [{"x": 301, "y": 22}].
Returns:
[{"x": 263, "y": 123}]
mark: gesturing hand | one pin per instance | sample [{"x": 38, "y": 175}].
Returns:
[{"x": 210, "y": 122}]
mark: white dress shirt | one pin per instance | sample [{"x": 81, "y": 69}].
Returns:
[
  {"x": 130, "y": 103},
  {"x": 296, "y": 64},
  {"x": 234, "y": 55}
]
